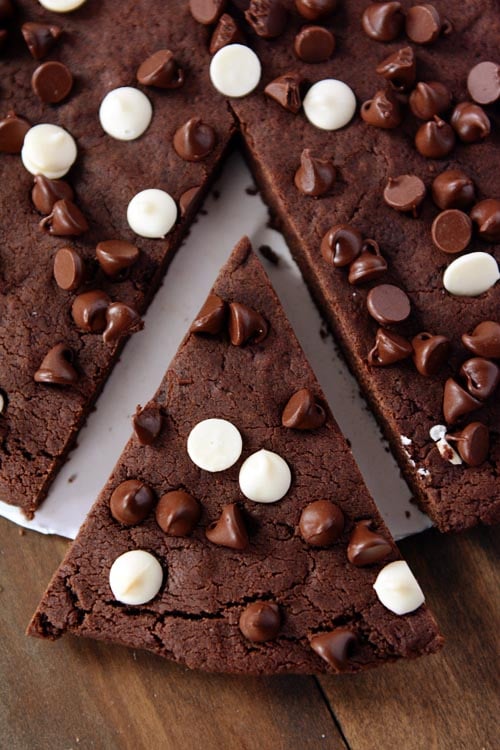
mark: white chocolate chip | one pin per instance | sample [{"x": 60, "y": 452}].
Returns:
[
  {"x": 48, "y": 150},
  {"x": 471, "y": 275},
  {"x": 405, "y": 440},
  {"x": 235, "y": 70},
  {"x": 152, "y": 213},
  {"x": 135, "y": 577},
  {"x": 125, "y": 113},
  {"x": 423, "y": 472},
  {"x": 398, "y": 589},
  {"x": 438, "y": 434},
  {"x": 265, "y": 477},
  {"x": 2, "y": 403},
  {"x": 214, "y": 444},
  {"x": 329, "y": 104},
  {"x": 61, "y": 6}
]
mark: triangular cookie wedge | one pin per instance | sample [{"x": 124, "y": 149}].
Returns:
[{"x": 264, "y": 560}]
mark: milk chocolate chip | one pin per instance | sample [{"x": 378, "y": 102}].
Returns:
[
  {"x": 314, "y": 44},
  {"x": 404, "y": 193},
  {"x": 12, "y": 132},
  {"x": 483, "y": 82},
  {"x": 335, "y": 647},
  {"x": 383, "y": 21},
  {"x": 484, "y": 341},
  {"x": 457, "y": 402},
  {"x": 131, "y": 502},
  {"x": 369, "y": 265},
  {"x": 315, "y": 9},
  {"x": 453, "y": 189},
  {"x": 430, "y": 352},
  {"x": 229, "y": 530},
  {"x": 211, "y": 317},
  {"x": 303, "y": 412},
  {"x": 161, "y": 70},
  {"x": 482, "y": 377},
  {"x": 52, "y": 81},
  {"x": 315, "y": 177},
  {"x": 40, "y": 38},
  {"x": 267, "y": 18},
  {"x": 260, "y": 621},
  {"x": 367, "y": 547},
  {"x": 194, "y": 140},
  {"x": 147, "y": 424},
  {"x": 341, "y": 245},
  {"x": 121, "y": 320},
  {"x": 321, "y": 523},
  {"x": 451, "y": 231},
  {"x": 400, "y": 68},
  {"x": 177, "y": 513},
  {"x": 206, "y": 11},
  {"x": 56, "y": 367},
  {"x": 473, "y": 443},
  {"x": 435, "y": 139},
  {"x": 226, "y": 32},
  {"x": 89, "y": 311},
  {"x": 389, "y": 348},
  {"x": 286, "y": 91},
  {"x": 429, "y": 99},
  {"x": 470, "y": 122},
  {"x": 115, "y": 256},
  {"x": 388, "y": 304},
  {"x": 423, "y": 24},
  {"x": 69, "y": 270},
  {"x": 46, "y": 193},
  {"x": 65, "y": 220},
  {"x": 383, "y": 111},
  {"x": 486, "y": 215},
  {"x": 246, "y": 324}
]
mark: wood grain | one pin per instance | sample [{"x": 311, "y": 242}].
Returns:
[
  {"x": 80, "y": 694},
  {"x": 449, "y": 701}
]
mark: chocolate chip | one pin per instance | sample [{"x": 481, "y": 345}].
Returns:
[
  {"x": 315, "y": 176},
  {"x": 457, "y": 402},
  {"x": 336, "y": 647},
  {"x": 268, "y": 18},
  {"x": 423, "y": 24},
  {"x": 400, "y": 68},
  {"x": 367, "y": 547},
  {"x": 369, "y": 265},
  {"x": 481, "y": 376},
  {"x": 206, "y": 11},
  {"x": 430, "y": 353},
  {"x": 383, "y": 111},
  {"x": 147, "y": 424},
  {"x": 187, "y": 198},
  {"x": 69, "y": 270},
  {"x": 226, "y": 32},
  {"x": 453, "y": 189},
  {"x": 65, "y": 220},
  {"x": 114, "y": 256},
  {"x": 12, "y": 132},
  {"x": 286, "y": 91},
  {"x": 211, "y": 317},
  {"x": 315, "y": 9},
  {"x": 131, "y": 502},
  {"x": 161, "y": 70},
  {"x": 52, "y": 81},
  {"x": 321, "y": 523},
  {"x": 483, "y": 82},
  {"x": 46, "y": 193},
  {"x": 429, "y": 99},
  {"x": 89, "y": 311},
  {"x": 121, "y": 320},
  {"x": 486, "y": 215},
  {"x": 40, "y": 38},
  {"x": 177, "y": 513},
  {"x": 194, "y": 140},
  {"x": 470, "y": 122},
  {"x": 303, "y": 412},
  {"x": 404, "y": 193},
  {"x": 383, "y": 21},
  {"x": 314, "y": 44},
  {"x": 389, "y": 348},
  {"x": 260, "y": 621},
  {"x": 56, "y": 367},
  {"x": 388, "y": 304},
  {"x": 245, "y": 325},
  {"x": 473, "y": 443},
  {"x": 451, "y": 231},
  {"x": 484, "y": 341},
  {"x": 229, "y": 530},
  {"x": 341, "y": 245},
  {"x": 435, "y": 139}
]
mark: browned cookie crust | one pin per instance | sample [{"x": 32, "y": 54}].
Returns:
[{"x": 194, "y": 619}]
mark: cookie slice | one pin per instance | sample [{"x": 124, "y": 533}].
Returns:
[{"x": 235, "y": 533}]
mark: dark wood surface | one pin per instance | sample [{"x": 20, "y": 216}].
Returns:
[{"x": 77, "y": 694}]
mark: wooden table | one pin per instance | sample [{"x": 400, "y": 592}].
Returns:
[{"x": 77, "y": 694}]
